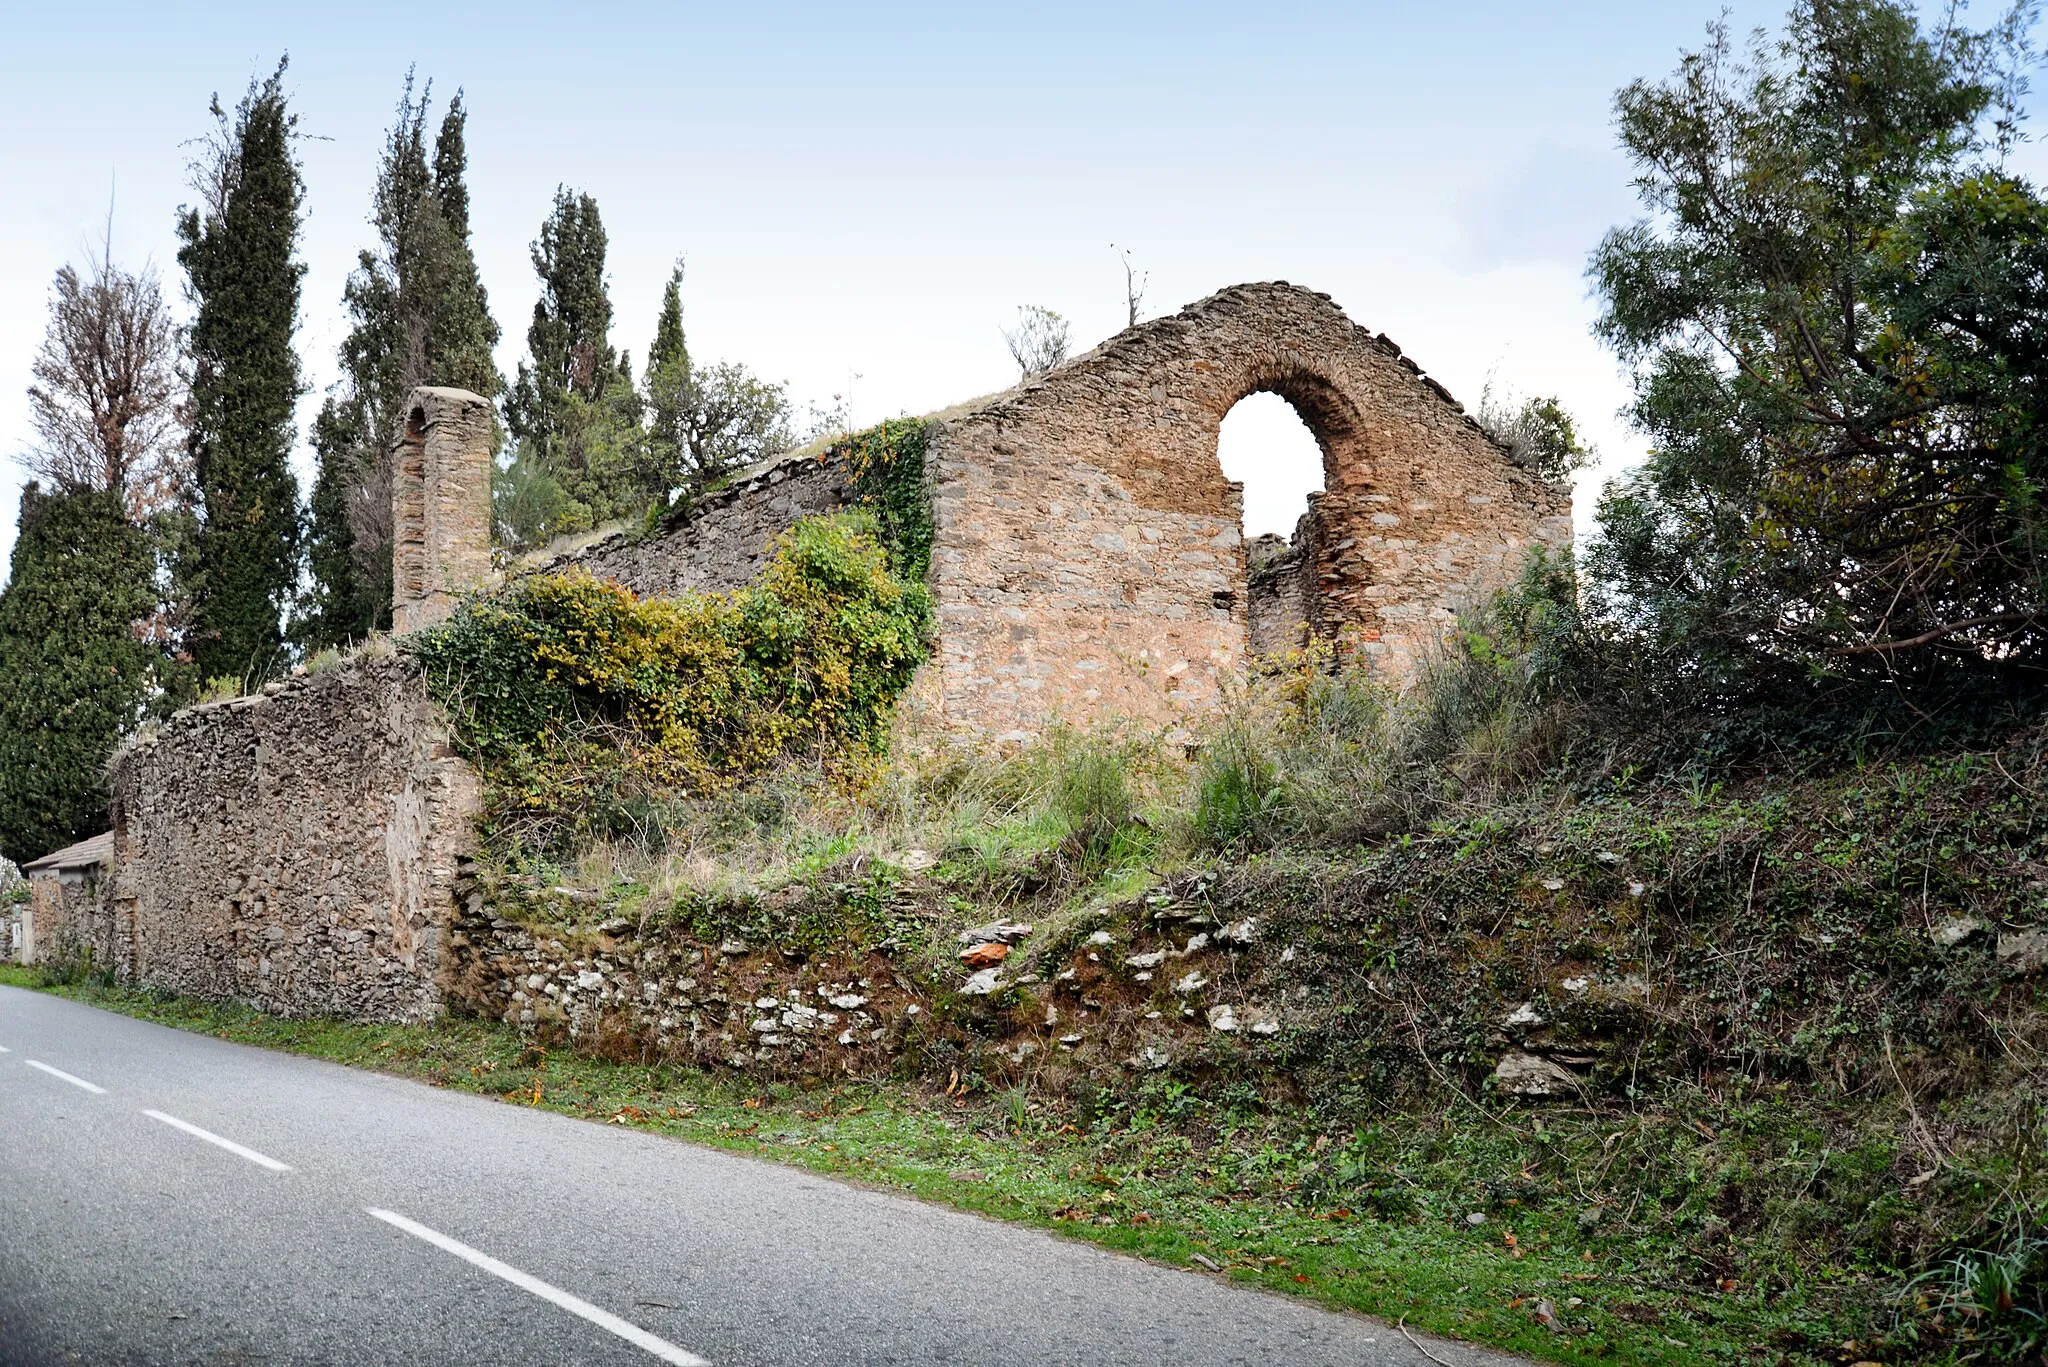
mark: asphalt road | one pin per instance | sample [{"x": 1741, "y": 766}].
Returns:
[{"x": 172, "y": 1198}]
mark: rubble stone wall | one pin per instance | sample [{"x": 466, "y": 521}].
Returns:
[
  {"x": 657, "y": 992},
  {"x": 1089, "y": 554},
  {"x": 303, "y": 849},
  {"x": 721, "y": 541},
  {"x": 1281, "y": 581},
  {"x": 69, "y": 918}
]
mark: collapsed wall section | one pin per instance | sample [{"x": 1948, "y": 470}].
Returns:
[
  {"x": 1281, "y": 586},
  {"x": 720, "y": 541},
  {"x": 299, "y": 849}
]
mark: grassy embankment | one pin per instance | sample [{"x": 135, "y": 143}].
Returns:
[
  {"x": 1129, "y": 1179},
  {"x": 1806, "y": 1119}
]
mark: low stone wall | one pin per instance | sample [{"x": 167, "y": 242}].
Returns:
[
  {"x": 658, "y": 993},
  {"x": 302, "y": 849},
  {"x": 721, "y": 541}
]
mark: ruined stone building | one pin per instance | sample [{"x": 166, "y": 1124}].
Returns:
[
  {"x": 305, "y": 848},
  {"x": 1089, "y": 554},
  {"x": 66, "y": 910}
]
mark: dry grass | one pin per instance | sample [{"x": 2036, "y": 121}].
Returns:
[{"x": 1072, "y": 801}]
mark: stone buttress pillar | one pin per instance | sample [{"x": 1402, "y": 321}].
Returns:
[{"x": 441, "y": 505}]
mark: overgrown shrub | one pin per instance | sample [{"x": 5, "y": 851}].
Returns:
[
  {"x": 1320, "y": 751},
  {"x": 581, "y": 701},
  {"x": 1091, "y": 787},
  {"x": 1301, "y": 754},
  {"x": 1831, "y": 312}
]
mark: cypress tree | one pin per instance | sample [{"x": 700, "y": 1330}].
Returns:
[
  {"x": 74, "y": 669},
  {"x": 668, "y": 391},
  {"x": 461, "y": 333},
  {"x": 238, "y": 256},
  {"x": 574, "y": 410},
  {"x": 669, "y": 348},
  {"x": 568, "y": 344},
  {"x": 703, "y": 421},
  {"x": 420, "y": 316}
]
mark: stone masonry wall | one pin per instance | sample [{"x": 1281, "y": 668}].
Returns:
[
  {"x": 69, "y": 918},
  {"x": 655, "y": 991},
  {"x": 1280, "y": 576},
  {"x": 1088, "y": 554},
  {"x": 301, "y": 849},
  {"x": 440, "y": 505},
  {"x": 721, "y": 541}
]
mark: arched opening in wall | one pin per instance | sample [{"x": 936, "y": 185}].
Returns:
[{"x": 1265, "y": 446}]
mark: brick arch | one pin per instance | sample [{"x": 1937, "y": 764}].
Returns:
[
  {"x": 1089, "y": 555},
  {"x": 1330, "y": 415}
]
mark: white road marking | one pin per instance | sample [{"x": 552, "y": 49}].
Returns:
[
  {"x": 60, "y": 1073},
  {"x": 5, "y": 1050},
  {"x": 603, "y": 1319},
  {"x": 260, "y": 1160}
]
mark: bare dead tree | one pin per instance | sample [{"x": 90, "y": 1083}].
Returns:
[
  {"x": 1039, "y": 341},
  {"x": 1134, "y": 285},
  {"x": 105, "y": 398}
]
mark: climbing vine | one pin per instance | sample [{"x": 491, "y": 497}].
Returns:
[
  {"x": 581, "y": 702},
  {"x": 887, "y": 461}
]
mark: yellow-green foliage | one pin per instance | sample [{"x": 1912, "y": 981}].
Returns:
[{"x": 581, "y": 700}]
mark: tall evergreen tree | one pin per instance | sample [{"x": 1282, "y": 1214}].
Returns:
[
  {"x": 420, "y": 316},
  {"x": 461, "y": 333},
  {"x": 669, "y": 348},
  {"x": 237, "y": 253},
  {"x": 703, "y": 421},
  {"x": 74, "y": 669},
  {"x": 574, "y": 410},
  {"x": 1835, "y": 322},
  {"x": 667, "y": 385},
  {"x": 569, "y": 342}
]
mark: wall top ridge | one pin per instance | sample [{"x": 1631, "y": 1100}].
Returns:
[
  {"x": 750, "y": 480},
  {"x": 1229, "y": 303},
  {"x": 346, "y": 675},
  {"x": 449, "y": 393}
]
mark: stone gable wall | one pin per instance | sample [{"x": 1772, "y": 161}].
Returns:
[
  {"x": 301, "y": 849},
  {"x": 1089, "y": 554},
  {"x": 721, "y": 541}
]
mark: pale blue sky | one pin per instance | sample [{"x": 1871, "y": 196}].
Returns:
[{"x": 864, "y": 195}]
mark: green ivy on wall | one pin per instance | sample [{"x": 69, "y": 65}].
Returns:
[
  {"x": 887, "y": 461},
  {"x": 579, "y": 700}
]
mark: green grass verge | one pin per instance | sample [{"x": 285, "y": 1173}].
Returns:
[{"x": 1155, "y": 1177}]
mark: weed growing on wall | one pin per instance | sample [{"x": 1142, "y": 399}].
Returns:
[{"x": 582, "y": 702}]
